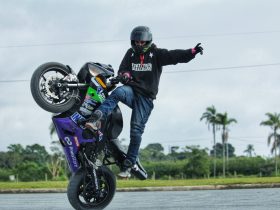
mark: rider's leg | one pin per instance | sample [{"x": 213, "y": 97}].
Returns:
[
  {"x": 124, "y": 94},
  {"x": 142, "y": 108}
]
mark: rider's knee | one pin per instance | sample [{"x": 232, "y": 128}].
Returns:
[
  {"x": 121, "y": 92},
  {"x": 136, "y": 129}
]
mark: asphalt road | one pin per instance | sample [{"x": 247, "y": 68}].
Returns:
[{"x": 249, "y": 199}]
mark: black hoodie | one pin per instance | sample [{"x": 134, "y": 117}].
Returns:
[{"x": 146, "y": 68}]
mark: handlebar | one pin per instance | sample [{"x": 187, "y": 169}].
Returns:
[
  {"x": 115, "y": 80},
  {"x": 121, "y": 78},
  {"x": 112, "y": 81}
]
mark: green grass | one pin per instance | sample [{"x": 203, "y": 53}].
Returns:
[
  {"x": 33, "y": 185},
  {"x": 197, "y": 182},
  {"x": 148, "y": 183}
]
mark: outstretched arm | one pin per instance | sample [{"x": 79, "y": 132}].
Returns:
[{"x": 168, "y": 57}]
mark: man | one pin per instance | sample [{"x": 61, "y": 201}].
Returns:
[{"x": 141, "y": 69}]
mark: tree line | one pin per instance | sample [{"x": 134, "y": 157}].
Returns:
[
  {"x": 196, "y": 162},
  {"x": 34, "y": 162},
  {"x": 216, "y": 120}
]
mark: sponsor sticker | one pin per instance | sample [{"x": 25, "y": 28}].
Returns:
[
  {"x": 68, "y": 140},
  {"x": 102, "y": 97},
  {"x": 76, "y": 141},
  {"x": 73, "y": 157},
  {"x": 99, "y": 90},
  {"x": 76, "y": 116}
]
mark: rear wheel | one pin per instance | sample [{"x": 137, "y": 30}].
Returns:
[
  {"x": 45, "y": 90},
  {"x": 80, "y": 190}
]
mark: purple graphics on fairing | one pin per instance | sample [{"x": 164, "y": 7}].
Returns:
[{"x": 70, "y": 136}]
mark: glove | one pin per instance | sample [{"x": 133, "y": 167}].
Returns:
[
  {"x": 125, "y": 77},
  {"x": 197, "y": 49}
]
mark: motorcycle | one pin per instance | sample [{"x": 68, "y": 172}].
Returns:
[{"x": 56, "y": 88}]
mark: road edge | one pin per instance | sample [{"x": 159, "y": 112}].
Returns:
[{"x": 143, "y": 189}]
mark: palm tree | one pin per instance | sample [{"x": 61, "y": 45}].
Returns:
[
  {"x": 211, "y": 119},
  {"x": 224, "y": 121},
  {"x": 250, "y": 149},
  {"x": 273, "y": 122}
]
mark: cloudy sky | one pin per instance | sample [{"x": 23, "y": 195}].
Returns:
[{"x": 233, "y": 33}]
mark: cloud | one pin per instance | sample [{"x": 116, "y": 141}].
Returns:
[{"x": 246, "y": 94}]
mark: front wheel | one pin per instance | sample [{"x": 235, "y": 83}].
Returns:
[
  {"x": 45, "y": 90},
  {"x": 80, "y": 190}
]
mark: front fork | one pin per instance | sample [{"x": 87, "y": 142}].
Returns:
[{"x": 92, "y": 171}]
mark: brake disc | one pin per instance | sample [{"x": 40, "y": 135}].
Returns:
[{"x": 49, "y": 80}]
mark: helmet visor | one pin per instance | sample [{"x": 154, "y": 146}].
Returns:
[
  {"x": 140, "y": 43},
  {"x": 141, "y": 36}
]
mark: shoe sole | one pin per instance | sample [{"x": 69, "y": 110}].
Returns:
[{"x": 124, "y": 177}]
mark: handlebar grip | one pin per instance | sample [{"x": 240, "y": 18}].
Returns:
[{"x": 115, "y": 80}]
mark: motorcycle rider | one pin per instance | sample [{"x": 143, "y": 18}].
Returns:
[{"x": 140, "y": 69}]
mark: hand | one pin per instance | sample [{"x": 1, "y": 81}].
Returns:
[
  {"x": 125, "y": 77},
  {"x": 197, "y": 49}
]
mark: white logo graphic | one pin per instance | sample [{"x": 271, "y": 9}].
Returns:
[
  {"x": 141, "y": 67},
  {"x": 132, "y": 54},
  {"x": 68, "y": 141},
  {"x": 151, "y": 54}
]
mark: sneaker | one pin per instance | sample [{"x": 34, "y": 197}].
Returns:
[
  {"x": 96, "y": 116},
  {"x": 125, "y": 174},
  {"x": 93, "y": 126},
  {"x": 125, "y": 169},
  {"x": 94, "y": 123}
]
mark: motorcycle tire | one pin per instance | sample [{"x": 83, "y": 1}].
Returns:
[
  {"x": 76, "y": 190},
  {"x": 38, "y": 94}
]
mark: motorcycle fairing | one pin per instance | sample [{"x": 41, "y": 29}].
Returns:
[{"x": 70, "y": 136}]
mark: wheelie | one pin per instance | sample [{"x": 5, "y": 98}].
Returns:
[
  {"x": 88, "y": 120},
  {"x": 56, "y": 89}
]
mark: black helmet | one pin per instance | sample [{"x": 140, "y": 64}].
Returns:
[{"x": 141, "y": 33}]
